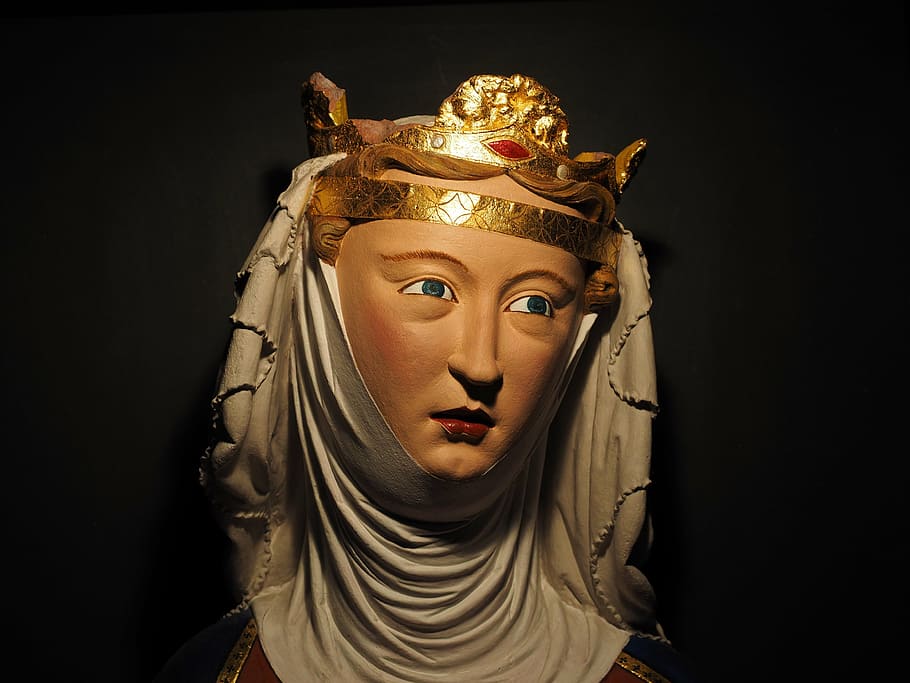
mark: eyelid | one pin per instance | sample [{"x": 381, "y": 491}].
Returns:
[
  {"x": 417, "y": 287},
  {"x": 550, "y": 308},
  {"x": 550, "y": 285}
]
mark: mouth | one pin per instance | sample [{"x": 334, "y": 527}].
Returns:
[{"x": 464, "y": 424}]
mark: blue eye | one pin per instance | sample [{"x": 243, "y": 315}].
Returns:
[
  {"x": 435, "y": 288},
  {"x": 532, "y": 304}
]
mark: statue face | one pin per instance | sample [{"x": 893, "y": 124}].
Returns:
[{"x": 458, "y": 333}]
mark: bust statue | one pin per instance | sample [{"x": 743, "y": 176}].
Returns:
[{"x": 432, "y": 433}]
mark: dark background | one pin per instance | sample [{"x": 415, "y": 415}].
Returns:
[{"x": 143, "y": 152}]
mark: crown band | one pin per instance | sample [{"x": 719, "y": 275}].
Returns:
[
  {"x": 359, "y": 197},
  {"x": 504, "y": 147}
]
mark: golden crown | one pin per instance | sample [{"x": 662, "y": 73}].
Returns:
[{"x": 512, "y": 122}]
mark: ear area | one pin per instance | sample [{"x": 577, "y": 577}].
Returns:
[{"x": 627, "y": 162}]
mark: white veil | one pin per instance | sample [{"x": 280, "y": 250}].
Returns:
[{"x": 290, "y": 400}]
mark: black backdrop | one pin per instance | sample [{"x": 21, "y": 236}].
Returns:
[{"x": 143, "y": 152}]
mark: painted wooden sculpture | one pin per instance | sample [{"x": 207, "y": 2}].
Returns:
[{"x": 433, "y": 429}]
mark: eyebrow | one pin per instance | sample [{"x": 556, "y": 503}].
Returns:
[
  {"x": 543, "y": 272},
  {"x": 443, "y": 256},
  {"x": 423, "y": 254}
]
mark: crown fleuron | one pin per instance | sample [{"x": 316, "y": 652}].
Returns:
[{"x": 507, "y": 121}]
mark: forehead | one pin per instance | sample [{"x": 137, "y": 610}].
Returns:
[{"x": 479, "y": 252}]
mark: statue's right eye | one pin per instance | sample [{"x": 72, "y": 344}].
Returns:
[
  {"x": 532, "y": 304},
  {"x": 435, "y": 288}
]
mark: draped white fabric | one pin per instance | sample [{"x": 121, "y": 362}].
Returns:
[{"x": 521, "y": 574}]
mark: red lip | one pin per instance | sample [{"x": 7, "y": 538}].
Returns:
[{"x": 463, "y": 422}]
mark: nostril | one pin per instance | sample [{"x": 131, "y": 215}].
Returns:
[
  {"x": 481, "y": 390},
  {"x": 492, "y": 379},
  {"x": 476, "y": 374}
]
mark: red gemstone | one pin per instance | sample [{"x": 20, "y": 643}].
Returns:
[{"x": 509, "y": 149}]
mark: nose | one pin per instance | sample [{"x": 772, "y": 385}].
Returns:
[{"x": 474, "y": 360}]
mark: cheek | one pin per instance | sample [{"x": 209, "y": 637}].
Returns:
[
  {"x": 378, "y": 341},
  {"x": 535, "y": 372},
  {"x": 382, "y": 334},
  {"x": 534, "y": 366},
  {"x": 396, "y": 358}
]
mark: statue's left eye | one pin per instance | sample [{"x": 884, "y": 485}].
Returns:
[
  {"x": 532, "y": 304},
  {"x": 435, "y": 288}
]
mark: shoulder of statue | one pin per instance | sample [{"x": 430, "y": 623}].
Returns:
[
  {"x": 208, "y": 653},
  {"x": 650, "y": 660}
]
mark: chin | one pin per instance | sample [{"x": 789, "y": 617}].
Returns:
[{"x": 457, "y": 462}]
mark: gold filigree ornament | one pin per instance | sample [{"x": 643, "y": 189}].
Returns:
[{"x": 512, "y": 122}]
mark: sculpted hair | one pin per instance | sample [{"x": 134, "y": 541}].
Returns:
[{"x": 593, "y": 200}]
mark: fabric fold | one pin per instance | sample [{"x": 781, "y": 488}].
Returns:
[{"x": 535, "y": 581}]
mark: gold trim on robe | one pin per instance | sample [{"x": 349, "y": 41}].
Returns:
[
  {"x": 639, "y": 669},
  {"x": 230, "y": 672}
]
